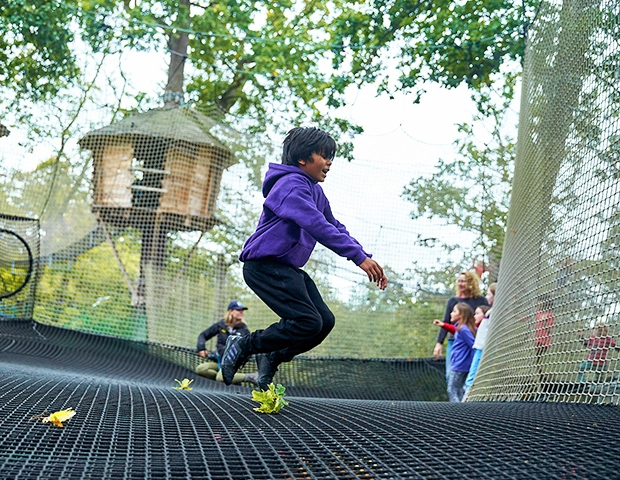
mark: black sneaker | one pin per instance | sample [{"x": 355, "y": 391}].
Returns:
[
  {"x": 252, "y": 378},
  {"x": 267, "y": 368},
  {"x": 233, "y": 359}
]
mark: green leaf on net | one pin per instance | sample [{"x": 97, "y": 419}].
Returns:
[{"x": 271, "y": 400}]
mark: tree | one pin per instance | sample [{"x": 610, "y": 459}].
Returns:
[
  {"x": 259, "y": 64},
  {"x": 445, "y": 41},
  {"x": 267, "y": 62},
  {"x": 36, "y": 60},
  {"x": 253, "y": 64},
  {"x": 478, "y": 43}
]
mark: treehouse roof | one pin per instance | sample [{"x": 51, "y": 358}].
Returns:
[
  {"x": 181, "y": 124},
  {"x": 4, "y": 131}
]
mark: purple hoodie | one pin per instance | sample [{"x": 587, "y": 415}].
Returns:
[{"x": 296, "y": 214}]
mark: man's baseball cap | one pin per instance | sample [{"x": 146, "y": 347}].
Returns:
[{"x": 236, "y": 305}]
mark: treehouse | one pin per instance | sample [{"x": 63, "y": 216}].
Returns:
[
  {"x": 159, "y": 167},
  {"x": 158, "y": 171}
]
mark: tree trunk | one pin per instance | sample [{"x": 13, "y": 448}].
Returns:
[{"x": 177, "y": 47}]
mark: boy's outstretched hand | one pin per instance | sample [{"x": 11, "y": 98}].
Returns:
[{"x": 374, "y": 272}]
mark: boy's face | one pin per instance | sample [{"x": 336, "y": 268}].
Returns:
[{"x": 317, "y": 167}]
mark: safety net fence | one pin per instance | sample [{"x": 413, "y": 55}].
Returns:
[
  {"x": 134, "y": 225},
  {"x": 19, "y": 265},
  {"x": 142, "y": 221},
  {"x": 556, "y": 321}
]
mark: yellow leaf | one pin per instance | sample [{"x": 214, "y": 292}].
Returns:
[
  {"x": 184, "y": 385},
  {"x": 57, "y": 418}
]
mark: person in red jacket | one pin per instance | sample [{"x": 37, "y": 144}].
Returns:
[
  {"x": 543, "y": 322},
  {"x": 598, "y": 344}
]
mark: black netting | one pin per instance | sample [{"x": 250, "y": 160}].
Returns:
[
  {"x": 59, "y": 350},
  {"x": 130, "y": 423},
  {"x": 19, "y": 265},
  {"x": 142, "y": 220}
]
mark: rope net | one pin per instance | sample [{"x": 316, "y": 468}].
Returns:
[
  {"x": 142, "y": 221},
  {"x": 142, "y": 218},
  {"x": 134, "y": 226},
  {"x": 556, "y": 319},
  {"x": 19, "y": 251},
  {"x": 130, "y": 423}
]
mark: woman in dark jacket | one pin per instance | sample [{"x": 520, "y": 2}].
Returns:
[{"x": 231, "y": 324}]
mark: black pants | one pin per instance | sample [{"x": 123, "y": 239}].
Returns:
[{"x": 305, "y": 320}]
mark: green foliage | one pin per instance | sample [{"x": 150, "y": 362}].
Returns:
[
  {"x": 268, "y": 62},
  {"x": 271, "y": 400},
  {"x": 261, "y": 66},
  {"x": 395, "y": 323},
  {"x": 9, "y": 281},
  {"x": 609, "y": 255},
  {"x": 183, "y": 384},
  {"x": 405, "y": 332},
  {"x": 263, "y": 61},
  {"x": 36, "y": 59},
  {"x": 448, "y": 42},
  {"x": 257, "y": 63},
  {"x": 370, "y": 298},
  {"x": 438, "y": 282},
  {"x": 68, "y": 289}
]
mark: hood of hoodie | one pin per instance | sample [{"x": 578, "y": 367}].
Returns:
[{"x": 277, "y": 171}]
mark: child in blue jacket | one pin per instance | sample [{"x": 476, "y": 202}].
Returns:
[{"x": 296, "y": 214}]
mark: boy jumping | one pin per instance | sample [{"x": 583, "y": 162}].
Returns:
[{"x": 296, "y": 214}]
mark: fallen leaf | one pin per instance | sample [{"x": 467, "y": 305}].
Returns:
[
  {"x": 184, "y": 385},
  {"x": 57, "y": 418},
  {"x": 271, "y": 400}
]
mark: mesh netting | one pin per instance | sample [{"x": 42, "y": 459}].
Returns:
[
  {"x": 130, "y": 423},
  {"x": 19, "y": 265},
  {"x": 556, "y": 318},
  {"x": 142, "y": 221},
  {"x": 68, "y": 352}
]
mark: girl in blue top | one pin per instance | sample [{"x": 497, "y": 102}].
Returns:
[{"x": 463, "y": 327}]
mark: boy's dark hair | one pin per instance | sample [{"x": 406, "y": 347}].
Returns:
[{"x": 301, "y": 142}]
